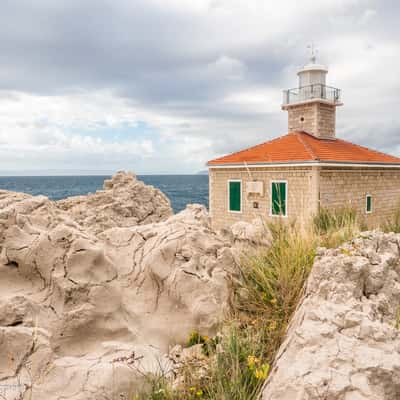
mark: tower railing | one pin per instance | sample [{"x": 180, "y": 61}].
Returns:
[{"x": 310, "y": 92}]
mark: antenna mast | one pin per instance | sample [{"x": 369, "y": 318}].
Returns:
[{"x": 313, "y": 51}]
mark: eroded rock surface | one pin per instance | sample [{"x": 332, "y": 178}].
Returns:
[
  {"x": 344, "y": 340},
  {"x": 84, "y": 312},
  {"x": 124, "y": 202}
]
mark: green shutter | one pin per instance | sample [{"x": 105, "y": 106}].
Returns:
[
  {"x": 235, "y": 196},
  {"x": 278, "y": 198},
  {"x": 369, "y": 203}
]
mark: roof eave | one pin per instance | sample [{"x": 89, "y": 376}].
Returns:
[{"x": 305, "y": 163}]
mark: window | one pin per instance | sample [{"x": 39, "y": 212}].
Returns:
[
  {"x": 368, "y": 203},
  {"x": 279, "y": 198},
  {"x": 235, "y": 195}
]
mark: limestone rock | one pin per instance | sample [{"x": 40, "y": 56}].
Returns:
[
  {"x": 344, "y": 340},
  {"x": 187, "y": 358},
  {"x": 84, "y": 312},
  {"x": 124, "y": 202},
  {"x": 255, "y": 233}
]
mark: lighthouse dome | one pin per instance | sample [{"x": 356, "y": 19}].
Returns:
[{"x": 312, "y": 74}]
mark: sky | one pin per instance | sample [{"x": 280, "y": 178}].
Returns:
[{"x": 162, "y": 86}]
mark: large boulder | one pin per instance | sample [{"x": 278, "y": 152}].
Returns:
[
  {"x": 344, "y": 340},
  {"x": 84, "y": 310},
  {"x": 124, "y": 202}
]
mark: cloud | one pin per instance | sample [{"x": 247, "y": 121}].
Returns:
[
  {"x": 63, "y": 131},
  {"x": 164, "y": 86}
]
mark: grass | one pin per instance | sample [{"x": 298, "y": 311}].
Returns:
[
  {"x": 238, "y": 370},
  {"x": 156, "y": 387},
  {"x": 336, "y": 227},
  {"x": 272, "y": 284},
  {"x": 393, "y": 224},
  {"x": 270, "y": 288}
]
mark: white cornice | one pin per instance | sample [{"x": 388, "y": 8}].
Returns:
[{"x": 305, "y": 164}]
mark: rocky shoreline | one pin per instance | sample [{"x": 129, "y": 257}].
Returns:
[{"x": 97, "y": 290}]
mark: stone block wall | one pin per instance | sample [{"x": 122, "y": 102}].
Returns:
[
  {"x": 349, "y": 186},
  {"x": 326, "y": 115},
  {"x": 302, "y": 197},
  {"x": 314, "y": 117},
  {"x": 308, "y": 189}
]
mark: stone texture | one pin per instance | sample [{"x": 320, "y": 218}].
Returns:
[
  {"x": 256, "y": 232},
  {"x": 315, "y": 117},
  {"x": 301, "y": 188},
  {"x": 84, "y": 312},
  {"x": 124, "y": 202},
  {"x": 308, "y": 188},
  {"x": 343, "y": 342},
  {"x": 349, "y": 187}
]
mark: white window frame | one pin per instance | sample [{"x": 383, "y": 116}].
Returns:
[
  {"x": 286, "y": 198},
  {"x": 366, "y": 204},
  {"x": 241, "y": 196}
]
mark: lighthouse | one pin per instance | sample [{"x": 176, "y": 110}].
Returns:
[{"x": 312, "y": 105}]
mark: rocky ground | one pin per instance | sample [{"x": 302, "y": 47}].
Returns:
[
  {"x": 84, "y": 312},
  {"x": 344, "y": 340},
  {"x": 96, "y": 290}
]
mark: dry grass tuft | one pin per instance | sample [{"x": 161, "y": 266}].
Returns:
[
  {"x": 393, "y": 224},
  {"x": 336, "y": 227}
]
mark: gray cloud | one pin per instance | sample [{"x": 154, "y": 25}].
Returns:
[{"x": 185, "y": 62}]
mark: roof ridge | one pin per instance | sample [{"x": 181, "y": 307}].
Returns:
[
  {"x": 368, "y": 149},
  {"x": 255, "y": 146},
  {"x": 306, "y": 145}
]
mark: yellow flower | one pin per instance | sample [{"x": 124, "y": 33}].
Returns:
[
  {"x": 192, "y": 389},
  {"x": 252, "y": 361},
  {"x": 262, "y": 373},
  {"x": 273, "y": 301},
  {"x": 199, "y": 393}
]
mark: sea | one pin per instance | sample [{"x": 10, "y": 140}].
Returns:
[{"x": 180, "y": 189}]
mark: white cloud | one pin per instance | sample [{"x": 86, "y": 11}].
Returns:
[
  {"x": 205, "y": 76},
  {"x": 46, "y": 129}
]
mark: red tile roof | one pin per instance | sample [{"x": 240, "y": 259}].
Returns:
[{"x": 303, "y": 147}]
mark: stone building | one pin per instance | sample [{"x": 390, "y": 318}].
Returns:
[{"x": 294, "y": 175}]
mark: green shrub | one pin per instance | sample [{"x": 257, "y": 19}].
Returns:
[
  {"x": 208, "y": 344},
  {"x": 238, "y": 370}
]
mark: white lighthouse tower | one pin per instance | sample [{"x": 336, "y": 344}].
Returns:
[{"x": 312, "y": 105}]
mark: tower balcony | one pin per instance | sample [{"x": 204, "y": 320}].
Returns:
[{"x": 316, "y": 91}]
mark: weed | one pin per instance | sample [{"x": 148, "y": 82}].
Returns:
[
  {"x": 393, "y": 224},
  {"x": 334, "y": 227}
]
